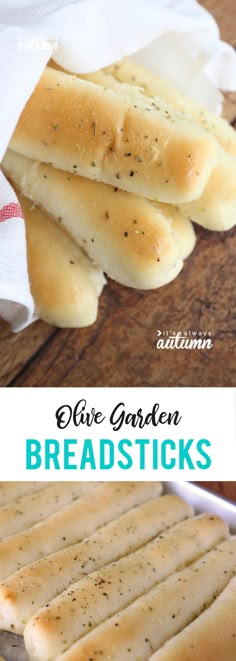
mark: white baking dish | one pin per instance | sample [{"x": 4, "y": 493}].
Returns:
[{"x": 204, "y": 501}]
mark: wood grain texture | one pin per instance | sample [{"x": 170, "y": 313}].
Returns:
[
  {"x": 16, "y": 349},
  {"x": 120, "y": 349},
  {"x": 224, "y": 489}
]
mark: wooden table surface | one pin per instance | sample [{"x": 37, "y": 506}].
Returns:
[
  {"x": 120, "y": 348},
  {"x": 224, "y": 489}
]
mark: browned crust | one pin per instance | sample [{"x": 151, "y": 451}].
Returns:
[{"x": 83, "y": 128}]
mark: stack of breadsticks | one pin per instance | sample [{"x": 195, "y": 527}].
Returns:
[{"x": 117, "y": 164}]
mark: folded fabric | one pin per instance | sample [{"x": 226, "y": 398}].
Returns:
[{"x": 176, "y": 38}]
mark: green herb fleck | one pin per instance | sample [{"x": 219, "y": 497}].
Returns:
[{"x": 94, "y": 128}]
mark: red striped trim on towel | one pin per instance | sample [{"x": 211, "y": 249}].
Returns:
[{"x": 11, "y": 210}]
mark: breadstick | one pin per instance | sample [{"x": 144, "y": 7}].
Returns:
[
  {"x": 147, "y": 149},
  {"x": 127, "y": 236},
  {"x": 64, "y": 283},
  {"x": 129, "y": 72},
  {"x": 211, "y": 636},
  {"x": 93, "y": 599},
  {"x": 215, "y": 208},
  {"x": 11, "y": 490},
  {"x": 73, "y": 523},
  {"x": 27, "y": 510},
  {"x": 105, "y": 79},
  {"x": 141, "y": 628},
  {"x": 30, "y": 588},
  {"x": 181, "y": 225}
]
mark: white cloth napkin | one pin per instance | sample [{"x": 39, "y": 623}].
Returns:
[{"x": 176, "y": 38}]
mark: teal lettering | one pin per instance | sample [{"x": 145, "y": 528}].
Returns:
[
  {"x": 200, "y": 444},
  {"x": 88, "y": 455},
  {"x": 142, "y": 442},
  {"x": 69, "y": 453},
  {"x": 52, "y": 449},
  {"x": 155, "y": 454},
  {"x": 184, "y": 453},
  {"x": 33, "y": 458},
  {"x": 129, "y": 461},
  {"x": 168, "y": 443},
  {"x": 106, "y": 462}
]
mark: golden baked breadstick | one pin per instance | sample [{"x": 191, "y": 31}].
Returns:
[
  {"x": 64, "y": 283},
  {"x": 182, "y": 227},
  {"x": 103, "y": 78},
  {"x": 181, "y": 224},
  {"x": 11, "y": 490},
  {"x": 31, "y": 587},
  {"x": 96, "y": 597},
  {"x": 139, "y": 145},
  {"x": 73, "y": 523},
  {"x": 129, "y": 72},
  {"x": 27, "y": 510},
  {"x": 127, "y": 236},
  {"x": 215, "y": 208},
  {"x": 211, "y": 636},
  {"x": 141, "y": 628}
]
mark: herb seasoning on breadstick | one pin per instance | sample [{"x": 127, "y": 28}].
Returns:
[{"x": 73, "y": 105}]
